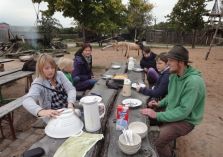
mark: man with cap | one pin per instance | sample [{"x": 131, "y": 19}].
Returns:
[{"x": 184, "y": 103}]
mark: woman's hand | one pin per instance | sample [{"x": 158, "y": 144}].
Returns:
[
  {"x": 70, "y": 105},
  {"x": 49, "y": 113},
  {"x": 145, "y": 70},
  {"x": 153, "y": 103},
  {"x": 149, "y": 112}
]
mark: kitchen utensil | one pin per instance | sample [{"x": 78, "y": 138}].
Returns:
[
  {"x": 91, "y": 112},
  {"x": 65, "y": 125}
]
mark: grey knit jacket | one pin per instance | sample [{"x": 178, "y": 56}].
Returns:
[{"x": 39, "y": 97}]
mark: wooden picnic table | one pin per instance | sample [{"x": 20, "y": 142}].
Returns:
[
  {"x": 110, "y": 97},
  {"x": 2, "y": 61},
  {"x": 111, "y": 139},
  {"x": 5, "y": 60},
  {"x": 14, "y": 76}
]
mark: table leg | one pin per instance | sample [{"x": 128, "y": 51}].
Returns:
[
  {"x": 1, "y": 128},
  {"x": 29, "y": 80},
  {"x": 2, "y": 67},
  {"x": 1, "y": 97},
  {"x": 9, "y": 117}
]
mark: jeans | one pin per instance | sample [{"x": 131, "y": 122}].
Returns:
[
  {"x": 170, "y": 132},
  {"x": 152, "y": 76},
  {"x": 85, "y": 85}
]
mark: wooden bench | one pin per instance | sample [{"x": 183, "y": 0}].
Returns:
[
  {"x": 2, "y": 61},
  {"x": 6, "y": 114},
  {"x": 10, "y": 71},
  {"x": 14, "y": 76}
]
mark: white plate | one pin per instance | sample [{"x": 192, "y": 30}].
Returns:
[
  {"x": 132, "y": 102},
  {"x": 137, "y": 69},
  {"x": 116, "y": 66},
  {"x": 142, "y": 85},
  {"x": 107, "y": 76}
]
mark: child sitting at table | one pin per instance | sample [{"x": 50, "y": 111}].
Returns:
[
  {"x": 66, "y": 66},
  {"x": 148, "y": 63},
  {"x": 50, "y": 91},
  {"x": 159, "y": 90}
]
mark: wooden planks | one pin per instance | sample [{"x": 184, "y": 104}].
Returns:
[
  {"x": 7, "y": 108},
  {"x": 14, "y": 76},
  {"x": 134, "y": 115},
  {"x": 6, "y": 114},
  {"x": 10, "y": 71},
  {"x": 5, "y": 60},
  {"x": 111, "y": 139}
]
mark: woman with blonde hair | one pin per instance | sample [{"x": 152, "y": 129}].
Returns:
[{"x": 50, "y": 91}]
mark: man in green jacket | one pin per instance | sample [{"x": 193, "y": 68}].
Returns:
[{"x": 184, "y": 104}]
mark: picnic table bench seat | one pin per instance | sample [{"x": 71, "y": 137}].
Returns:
[
  {"x": 14, "y": 75},
  {"x": 10, "y": 71},
  {"x": 6, "y": 114}
]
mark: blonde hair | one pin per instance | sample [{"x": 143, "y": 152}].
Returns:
[
  {"x": 64, "y": 62},
  {"x": 41, "y": 61}
]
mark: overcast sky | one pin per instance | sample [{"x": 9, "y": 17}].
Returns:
[{"x": 22, "y": 13}]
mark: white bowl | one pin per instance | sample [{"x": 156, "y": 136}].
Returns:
[
  {"x": 65, "y": 125},
  {"x": 130, "y": 149},
  {"x": 139, "y": 128}
]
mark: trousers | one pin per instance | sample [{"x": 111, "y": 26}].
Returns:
[{"x": 170, "y": 132}]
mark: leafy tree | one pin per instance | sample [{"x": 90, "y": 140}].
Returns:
[
  {"x": 96, "y": 15},
  {"x": 48, "y": 27},
  {"x": 187, "y": 16},
  {"x": 139, "y": 16}
]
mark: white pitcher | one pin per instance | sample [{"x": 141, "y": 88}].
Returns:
[{"x": 91, "y": 113}]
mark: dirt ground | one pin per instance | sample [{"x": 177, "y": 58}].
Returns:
[{"x": 204, "y": 141}]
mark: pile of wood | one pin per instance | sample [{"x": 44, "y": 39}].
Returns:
[{"x": 15, "y": 50}]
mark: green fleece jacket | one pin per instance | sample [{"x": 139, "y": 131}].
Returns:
[
  {"x": 69, "y": 77},
  {"x": 186, "y": 98}
]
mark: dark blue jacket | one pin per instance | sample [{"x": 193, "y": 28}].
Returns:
[
  {"x": 148, "y": 62},
  {"x": 81, "y": 67},
  {"x": 161, "y": 87}
]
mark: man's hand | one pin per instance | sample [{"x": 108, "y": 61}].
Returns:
[
  {"x": 149, "y": 112},
  {"x": 138, "y": 87},
  {"x": 49, "y": 113},
  {"x": 153, "y": 103}
]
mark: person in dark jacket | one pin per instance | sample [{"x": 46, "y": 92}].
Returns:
[
  {"x": 83, "y": 68},
  {"x": 148, "y": 63},
  {"x": 161, "y": 86}
]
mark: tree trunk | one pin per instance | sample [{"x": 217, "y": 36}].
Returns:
[
  {"x": 83, "y": 33},
  {"x": 182, "y": 37},
  {"x": 135, "y": 34},
  {"x": 194, "y": 38}
]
